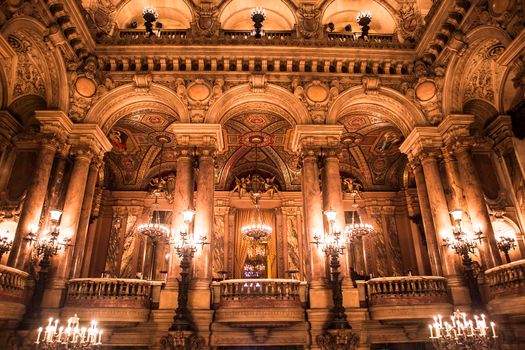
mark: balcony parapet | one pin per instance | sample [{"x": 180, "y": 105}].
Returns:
[
  {"x": 507, "y": 280},
  {"x": 12, "y": 295},
  {"x": 507, "y": 288},
  {"x": 407, "y": 297},
  {"x": 259, "y": 302},
  {"x": 113, "y": 299}
]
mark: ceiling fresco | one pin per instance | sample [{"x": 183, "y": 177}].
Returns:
[
  {"x": 133, "y": 155},
  {"x": 371, "y": 152}
]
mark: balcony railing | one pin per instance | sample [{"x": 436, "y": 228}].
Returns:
[
  {"x": 12, "y": 284},
  {"x": 235, "y": 37},
  {"x": 507, "y": 280},
  {"x": 246, "y": 301},
  {"x": 407, "y": 290},
  {"x": 110, "y": 292},
  {"x": 407, "y": 298}
]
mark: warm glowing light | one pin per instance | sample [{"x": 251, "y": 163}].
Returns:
[
  {"x": 330, "y": 215},
  {"x": 187, "y": 215},
  {"x": 55, "y": 215},
  {"x": 457, "y": 214}
]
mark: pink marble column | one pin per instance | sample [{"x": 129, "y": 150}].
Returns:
[
  {"x": 204, "y": 203},
  {"x": 72, "y": 208},
  {"x": 81, "y": 246},
  {"x": 34, "y": 202},
  {"x": 440, "y": 212},
  {"x": 184, "y": 188},
  {"x": 426, "y": 216},
  {"x": 313, "y": 212},
  {"x": 333, "y": 197},
  {"x": 477, "y": 207}
]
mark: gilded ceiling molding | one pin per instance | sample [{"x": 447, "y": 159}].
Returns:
[
  {"x": 243, "y": 95},
  {"x": 122, "y": 97},
  {"x": 403, "y": 113},
  {"x": 50, "y": 61}
]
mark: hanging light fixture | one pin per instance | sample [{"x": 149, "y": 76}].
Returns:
[
  {"x": 357, "y": 229},
  {"x": 54, "y": 337},
  {"x": 256, "y": 230}
]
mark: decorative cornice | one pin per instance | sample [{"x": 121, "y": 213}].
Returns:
[
  {"x": 54, "y": 122},
  {"x": 455, "y": 126},
  {"x": 516, "y": 47},
  {"x": 420, "y": 139},
  {"x": 92, "y": 136}
]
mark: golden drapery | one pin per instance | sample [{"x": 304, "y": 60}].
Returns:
[{"x": 249, "y": 216}]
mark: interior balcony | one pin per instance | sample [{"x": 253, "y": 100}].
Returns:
[
  {"x": 507, "y": 290},
  {"x": 123, "y": 301},
  {"x": 12, "y": 296},
  {"x": 407, "y": 298},
  {"x": 253, "y": 303}
]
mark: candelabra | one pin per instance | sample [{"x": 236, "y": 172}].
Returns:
[
  {"x": 72, "y": 337},
  {"x": 258, "y": 15},
  {"x": 505, "y": 244},
  {"x": 150, "y": 15},
  {"x": 155, "y": 231},
  {"x": 5, "y": 245},
  {"x": 363, "y": 19},
  {"x": 465, "y": 244},
  {"x": 186, "y": 246},
  {"x": 462, "y": 333}
]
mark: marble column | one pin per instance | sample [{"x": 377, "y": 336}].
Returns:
[
  {"x": 184, "y": 187},
  {"x": 313, "y": 213},
  {"x": 333, "y": 198},
  {"x": 204, "y": 212},
  {"x": 426, "y": 216},
  {"x": 34, "y": 202},
  {"x": 72, "y": 208},
  {"x": 85, "y": 214},
  {"x": 477, "y": 207},
  {"x": 440, "y": 212}
]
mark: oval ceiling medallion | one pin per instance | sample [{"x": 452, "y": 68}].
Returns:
[
  {"x": 85, "y": 86},
  {"x": 199, "y": 92},
  {"x": 317, "y": 93},
  {"x": 426, "y": 90}
]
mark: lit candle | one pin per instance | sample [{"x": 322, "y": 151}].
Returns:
[
  {"x": 440, "y": 321},
  {"x": 100, "y": 338},
  {"x": 431, "y": 333},
  {"x": 40, "y": 332},
  {"x": 493, "y": 326}
]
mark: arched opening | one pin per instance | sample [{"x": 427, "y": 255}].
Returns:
[
  {"x": 236, "y": 15},
  {"x": 172, "y": 14}
]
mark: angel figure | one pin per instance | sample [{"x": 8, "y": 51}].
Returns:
[{"x": 269, "y": 186}]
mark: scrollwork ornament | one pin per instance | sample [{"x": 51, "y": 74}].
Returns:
[
  {"x": 309, "y": 22},
  {"x": 338, "y": 339},
  {"x": 206, "y": 21}
]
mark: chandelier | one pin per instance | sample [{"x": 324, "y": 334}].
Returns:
[
  {"x": 357, "y": 229},
  {"x": 150, "y": 14},
  {"x": 258, "y": 15},
  {"x": 73, "y": 336},
  {"x": 505, "y": 244},
  {"x": 463, "y": 243},
  {"x": 364, "y": 16},
  {"x": 256, "y": 230},
  {"x": 462, "y": 333},
  {"x": 154, "y": 229}
]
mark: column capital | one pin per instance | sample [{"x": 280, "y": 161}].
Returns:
[
  {"x": 198, "y": 135},
  {"x": 424, "y": 140},
  {"x": 500, "y": 130},
  {"x": 56, "y": 124},
  {"x": 456, "y": 127},
  {"x": 388, "y": 210},
  {"x": 290, "y": 211},
  {"x": 89, "y": 137},
  {"x": 311, "y": 137}
]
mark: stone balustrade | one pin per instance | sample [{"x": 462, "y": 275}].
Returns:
[
  {"x": 110, "y": 292},
  {"x": 246, "y": 301},
  {"x": 407, "y": 297},
  {"x": 507, "y": 280},
  {"x": 12, "y": 283},
  {"x": 12, "y": 294}
]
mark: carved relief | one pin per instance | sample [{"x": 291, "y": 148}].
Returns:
[
  {"x": 410, "y": 21},
  {"x": 29, "y": 78},
  {"x": 128, "y": 246},
  {"x": 218, "y": 241},
  {"x": 309, "y": 21},
  {"x": 206, "y": 20},
  {"x": 112, "y": 259}
]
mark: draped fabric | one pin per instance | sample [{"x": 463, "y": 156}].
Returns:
[{"x": 245, "y": 217}]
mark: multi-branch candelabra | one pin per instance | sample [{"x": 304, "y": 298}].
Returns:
[
  {"x": 461, "y": 333},
  {"x": 364, "y": 18},
  {"x": 72, "y": 337},
  {"x": 185, "y": 245},
  {"x": 505, "y": 244},
  {"x": 5, "y": 245},
  {"x": 52, "y": 242},
  {"x": 258, "y": 15},
  {"x": 465, "y": 244}
]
